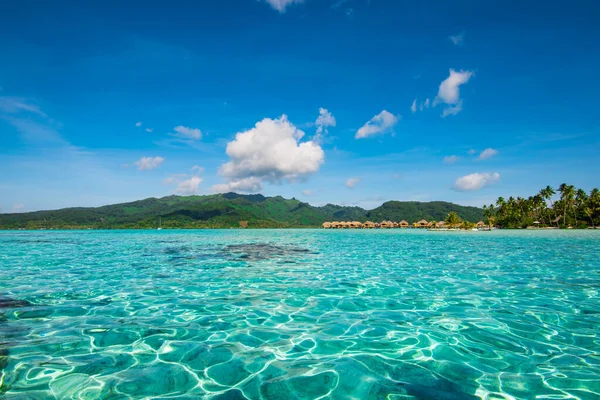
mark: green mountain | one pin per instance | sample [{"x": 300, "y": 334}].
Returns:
[{"x": 228, "y": 210}]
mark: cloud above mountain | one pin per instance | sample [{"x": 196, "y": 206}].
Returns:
[{"x": 272, "y": 151}]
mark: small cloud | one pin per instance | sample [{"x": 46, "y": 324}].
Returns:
[
  {"x": 189, "y": 186},
  {"x": 421, "y": 106},
  {"x": 174, "y": 178},
  {"x": 451, "y": 159},
  {"x": 472, "y": 151},
  {"x": 149, "y": 130},
  {"x": 458, "y": 40},
  {"x": 487, "y": 153},
  {"x": 138, "y": 124},
  {"x": 379, "y": 124},
  {"x": 449, "y": 91},
  {"x": 324, "y": 120},
  {"x": 188, "y": 133},
  {"x": 350, "y": 183},
  {"x": 281, "y": 5},
  {"x": 15, "y": 105},
  {"x": 148, "y": 163},
  {"x": 197, "y": 169},
  {"x": 475, "y": 181},
  {"x": 307, "y": 192},
  {"x": 250, "y": 185}
]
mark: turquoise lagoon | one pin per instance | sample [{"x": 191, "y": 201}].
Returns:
[{"x": 300, "y": 314}]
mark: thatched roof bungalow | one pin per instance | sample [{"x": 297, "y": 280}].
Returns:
[
  {"x": 440, "y": 224},
  {"x": 369, "y": 225},
  {"x": 386, "y": 224},
  {"x": 335, "y": 225},
  {"x": 403, "y": 224},
  {"x": 420, "y": 224},
  {"x": 326, "y": 225},
  {"x": 481, "y": 224}
]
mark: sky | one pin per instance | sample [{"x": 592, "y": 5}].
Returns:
[{"x": 352, "y": 102}]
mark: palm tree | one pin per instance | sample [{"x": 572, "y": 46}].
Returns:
[
  {"x": 567, "y": 195},
  {"x": 547, "y": 194},
  {"x": 581, "y": 198},
  {"x": 453, "y": 219}
]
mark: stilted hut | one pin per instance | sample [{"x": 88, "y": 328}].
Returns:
[
  {"x": 326, "y": 225},
  {"x": 386, "y": 224},
  {"x": 356, "y": 224},
  {"x": 481, "y": 224},
  {"x": 403, "y": 224},
  {"x": 440, "y": 224},
  {"x": 369, "y": 225},
  {"x": 335, "y": 225},
  {"x": 420, "y": 224}
]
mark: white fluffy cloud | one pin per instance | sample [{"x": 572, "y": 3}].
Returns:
[
  {"x": 458, "y": 40},
  {"x": 148, "y": 163},
  {"x": 271, "y": 152},
  {"x": 138, "y": 124},
  {"x": 475, "y": 181},
  {"x": 281, "y": 5},
  {"x": 449, "y": 91},
  {"x": 487, "y": 153},
  {"x": 189, "y": 186},
  {"x": 188, "y": 133},
  {"x": 324, "y": 120},
  {"x": 381, "y": 123},
  {"x": 451, "y": 159},
  {"x": 413, "y": 106},
  {"x": 149, "y": 130},
  {"x": 351, "y": 182}
]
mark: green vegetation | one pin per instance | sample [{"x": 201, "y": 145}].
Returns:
[
  {"x": 453, "y": 220},
  {"x": 575, "y": 208},
  {"x": 227, "y": 211}
]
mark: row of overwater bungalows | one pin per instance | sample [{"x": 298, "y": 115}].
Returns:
[{"x": 387, "y": 224}]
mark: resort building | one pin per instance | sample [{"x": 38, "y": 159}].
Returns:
[
  {"x": 420, "y": 224},
  {"x": 326, "y": 225},
  {"x": 440, "y": 224},
  {"x": 403, "y": 224},
  {"x": 481, "y": 224}
]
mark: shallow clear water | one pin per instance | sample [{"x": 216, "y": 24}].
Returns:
[{"x": 300, "y": 314}]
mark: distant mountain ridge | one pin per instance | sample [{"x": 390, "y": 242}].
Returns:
[{"x": 228, "y": 210}]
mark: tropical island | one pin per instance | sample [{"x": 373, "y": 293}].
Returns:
[{"x": 573, "y": 209}]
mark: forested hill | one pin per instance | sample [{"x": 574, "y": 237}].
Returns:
[{"x": 228, "y": 210}]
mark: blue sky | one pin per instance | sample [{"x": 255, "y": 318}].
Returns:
[{"x": 105, "y": 102}]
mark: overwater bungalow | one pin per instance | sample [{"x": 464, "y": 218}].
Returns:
[
  {"x": 356, "y": 225},
  {"x": 395, "y": 224},
  {"x": 440, "y": 224},
  {"x": 386, "y": 224},
  {"x": 403, "y": 224},
  {"x": 481, "y": 224},
  {"x": 326, "y": 225},
  {"x": 420, "y": 224},
  {"x": 335, "y": 225},
  {"x": 369, "y": 225}
]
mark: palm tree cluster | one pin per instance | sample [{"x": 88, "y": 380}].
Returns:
[{"x": 574, "y": 208}]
